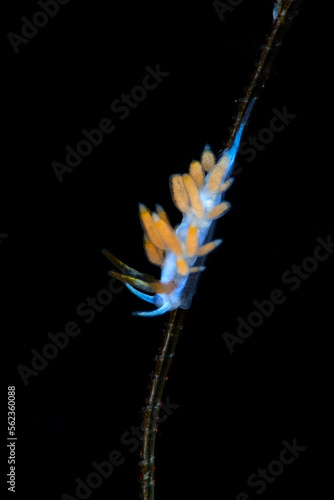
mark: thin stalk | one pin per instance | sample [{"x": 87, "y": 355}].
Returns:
[
  {"x": 288, "y": 9},
  {"x": 280, "y": 26},
  {"x": 151, "y": 411}
]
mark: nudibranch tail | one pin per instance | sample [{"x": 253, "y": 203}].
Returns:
[{"x": 180, "y": 251}]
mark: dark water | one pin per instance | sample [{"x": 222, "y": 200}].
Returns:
[{"x": 111, "y": 101}]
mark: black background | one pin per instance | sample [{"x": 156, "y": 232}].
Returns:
[{"x": 234, "y": 409}]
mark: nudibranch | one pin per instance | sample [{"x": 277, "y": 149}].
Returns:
[{"x": 180, "y": 251}]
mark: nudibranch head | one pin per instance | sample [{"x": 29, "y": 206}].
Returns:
[{"x": 179, "y": 251}]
